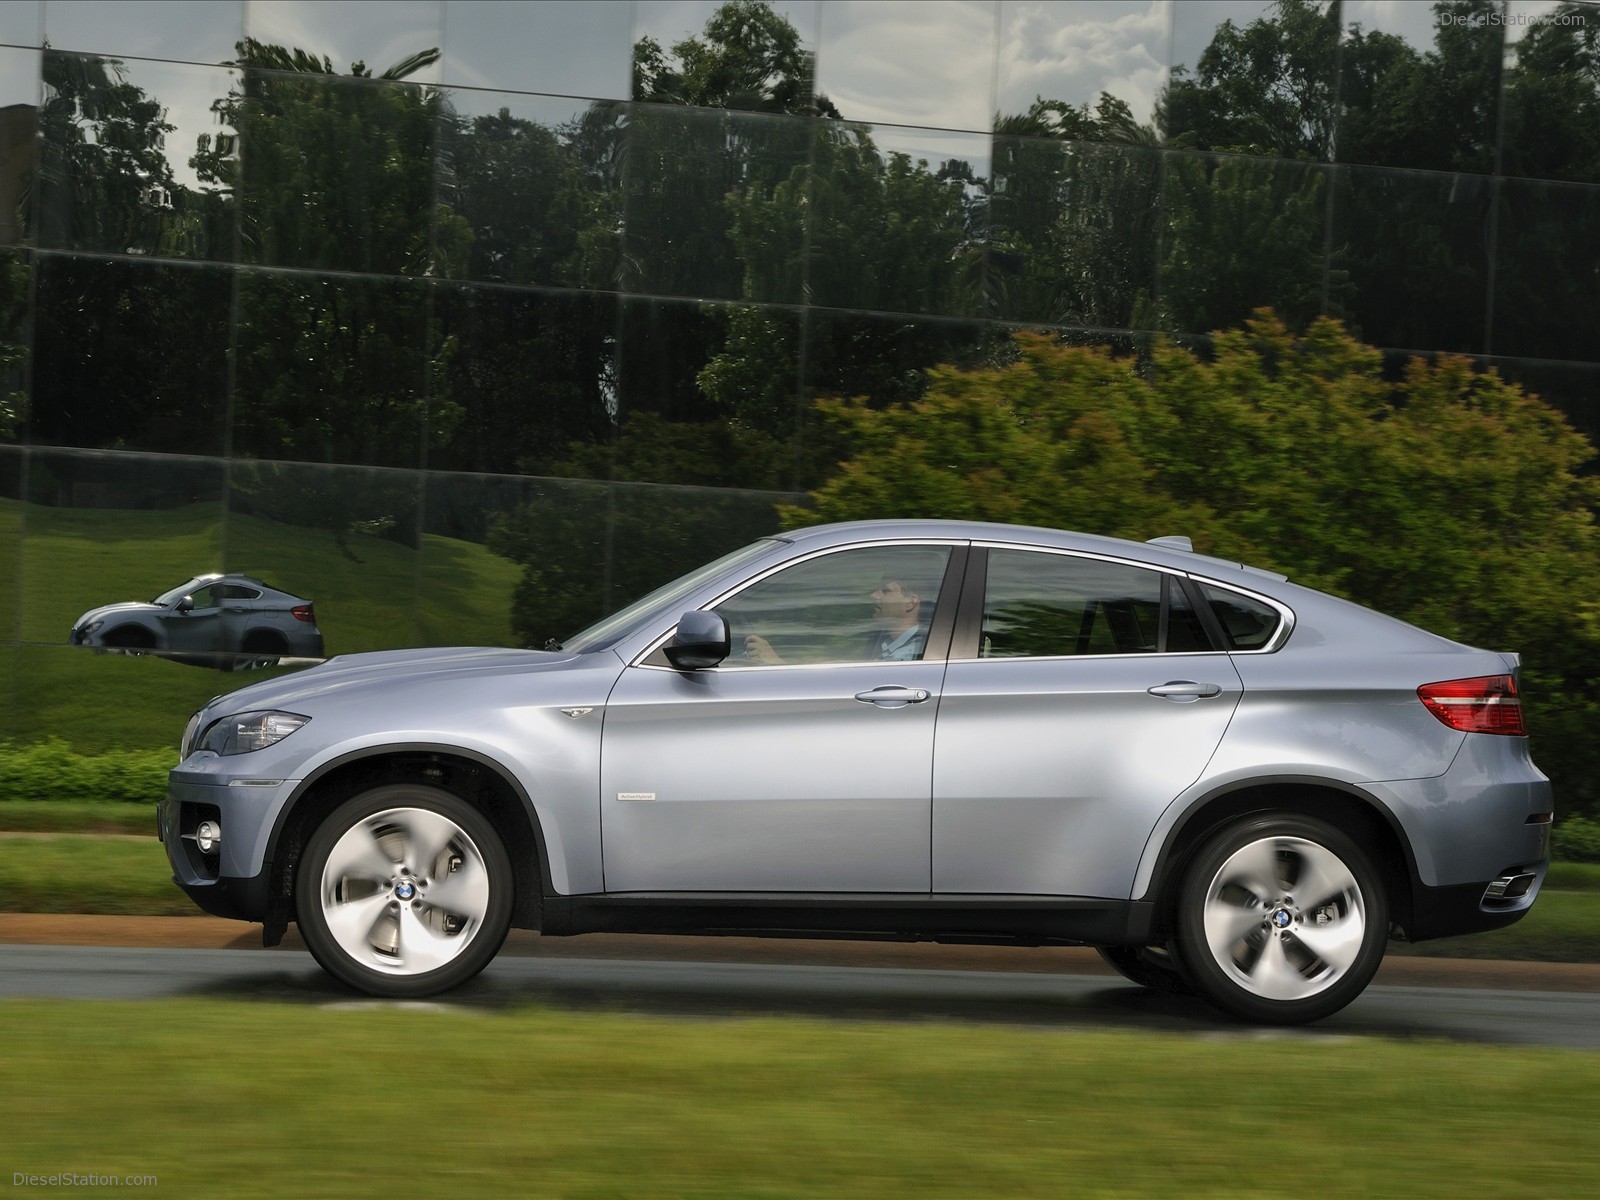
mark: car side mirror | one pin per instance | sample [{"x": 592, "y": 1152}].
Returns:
[
  {"x": 186, "y": 604},
  {"x": 701, "y": 641}
]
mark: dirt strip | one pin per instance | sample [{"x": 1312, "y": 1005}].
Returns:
[{"x": 199, "y": 932}]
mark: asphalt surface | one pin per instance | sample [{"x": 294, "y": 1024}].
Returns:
[{"x": 1061, "y": 988}]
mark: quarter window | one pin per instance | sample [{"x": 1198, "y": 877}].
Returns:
[{"x": 1247, "y": 624}]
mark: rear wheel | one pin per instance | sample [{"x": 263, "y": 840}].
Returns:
[
  {"x": 1281, "y": 920},
  {"x": 404, "y": 890},
  {"x": 1153, "y": 967}
]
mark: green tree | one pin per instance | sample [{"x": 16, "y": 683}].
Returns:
[{"x": 1447, "y": 497}]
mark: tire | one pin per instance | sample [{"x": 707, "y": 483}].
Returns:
[
  {"x": 1281, "y": 920},
  {"x": 362, "y": 891},
  {"x": 1150, "y": 967}
]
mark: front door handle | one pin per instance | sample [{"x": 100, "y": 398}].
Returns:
[
  {"x": 1185, "y": 691},
  {"x": 893, "y": 696}
]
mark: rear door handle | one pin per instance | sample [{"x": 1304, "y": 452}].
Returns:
[
  {"x": 1185, "y": 691},
  {"x": 893, "y": 696}
]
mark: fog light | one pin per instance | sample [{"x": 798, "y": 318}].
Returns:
[{"x": 207, "y": 836}]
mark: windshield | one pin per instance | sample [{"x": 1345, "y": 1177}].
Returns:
[
  {"x": 182, "y": 590},
  {"x": 619, "y": 624}
]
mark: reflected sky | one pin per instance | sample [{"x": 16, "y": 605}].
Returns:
[
  {"x": 1074, "y": 52},
  {"x": 350, "y": 30},
  {"x": 561, "y": 49},
  {"x": 909, "y": 62},
  {"x": 177, "y": 29}
]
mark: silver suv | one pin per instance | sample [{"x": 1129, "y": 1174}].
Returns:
[
  {"x": 211, "y": 620},
  {"x": 1228, "y": 783}
]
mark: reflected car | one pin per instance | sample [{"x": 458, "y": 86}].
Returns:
[
  {"x": 231, "y": 621},
  {"x": 1230, "y": 784}
]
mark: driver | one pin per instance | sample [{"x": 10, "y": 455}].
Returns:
[{"x": 898, "y": 635}]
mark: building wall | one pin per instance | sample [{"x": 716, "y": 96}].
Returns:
[{"x": 468, "y": 353}]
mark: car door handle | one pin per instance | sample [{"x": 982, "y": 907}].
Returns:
[
  {"x": 1185, "y": 691},
  {"x": 893, "y": 696}
]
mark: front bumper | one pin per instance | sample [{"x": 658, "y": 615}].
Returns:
[{"x": 234, "y": 880}]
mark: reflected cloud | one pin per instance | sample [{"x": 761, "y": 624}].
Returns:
[{"x": 1076, "y": 52}]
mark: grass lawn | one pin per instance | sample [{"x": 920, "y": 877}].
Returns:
[{"x": 262, "y": 1099}]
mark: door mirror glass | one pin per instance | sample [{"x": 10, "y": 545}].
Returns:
[{"x": 700, "y": 641}]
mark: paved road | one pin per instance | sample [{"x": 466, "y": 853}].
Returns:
[{"x": 716, "y": 989}]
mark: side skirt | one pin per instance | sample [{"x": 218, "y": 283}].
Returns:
[{"x": 1031, "y": 920}]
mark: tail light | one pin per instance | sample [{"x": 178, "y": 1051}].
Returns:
[
  {"x": 1487, "y": 704},
  {"x": 304, "y": 612}
]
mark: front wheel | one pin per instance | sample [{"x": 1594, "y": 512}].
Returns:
[
  {"x": 404, "y": 891},
  {"x": 1281, "y": 920}
]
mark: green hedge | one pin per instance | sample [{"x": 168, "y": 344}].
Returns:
[
  {"x": 51, "y": 770},
  {"x": 1576, "y": 839}
]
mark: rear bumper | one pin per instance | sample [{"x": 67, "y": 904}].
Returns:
[{"x": 1456, "y": 909}]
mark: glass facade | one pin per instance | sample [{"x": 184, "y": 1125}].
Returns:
[{"x": 472, "y": 320}]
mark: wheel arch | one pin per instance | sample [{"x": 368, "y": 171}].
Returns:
[
  {"x": 263, "y": 639},
  {"x": 476, "y": 778},
  {"x": 1356, "y": 812}
]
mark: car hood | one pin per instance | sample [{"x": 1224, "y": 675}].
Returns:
[
  {"x": 387, "y": 670},
  {"x": 106, "y": 610}
]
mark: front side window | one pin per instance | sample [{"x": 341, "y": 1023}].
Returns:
[
  {"x": 1039, "y": 605},
  {"x": 869, "y": 604}
]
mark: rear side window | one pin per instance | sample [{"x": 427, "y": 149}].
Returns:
[
  {"x": 1039, "y": 605},
  {"x": 1247, "y": 624}
]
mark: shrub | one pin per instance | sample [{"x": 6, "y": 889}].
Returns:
[{"x": 52, "y": 770}]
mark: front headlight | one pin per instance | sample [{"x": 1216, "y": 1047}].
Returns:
[{"x": 244, "y": 732}]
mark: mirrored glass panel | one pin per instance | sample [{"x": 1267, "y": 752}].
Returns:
[
  {"x": 530, "y": 189},
  {"x": 19, "y": 140},
  {"x": 662, "y": 346},
  {"x": 1418, "y": 87},
  {"x": 19, "y": 22},
  {"x": 133, "y": 158},
  {"x": 714, "y": 202},
  {"x": 1414, "y": 254},
  {"x": 130, "y": 355},
  {"x": 110, "y": 704},
  {"x": 530, "y": 376},
  {"x": 1074, "y": 232},
  {"x": 1075, "y": 54},
  {"x": 560, "y": 49},
  {"x": 16, "y": 291},
  {"x": 170, "y": 29},
  {"x": 1253, "y": 77},
  {"x": 13, "y": 529},
  {"x": 336, "y": 370},
  {"x": 339, "y": 542},
  {"x": 111, "y": 543},
  {"x": 708, "y": 397},
  {"x": 883, "y": 359},
  {"x": 1540, "y": 283},
  {"x": 1574, "y": 388},
  {"x": 910, "y": 62},
  {"x": 660, "y": 533},
  {"x": 898, "y": 220},
  {"x": 512, "y": 561},
  {"x": 746, "y": 57},
  {"x": 346, "y": 32},
  {"x": 1551, "y": 101},
  {"x": 336, "y": 172},
  {"x": 1238, "y": 234}
]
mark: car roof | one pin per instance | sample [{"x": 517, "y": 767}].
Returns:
[{"x": 1164, "y": 555}]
